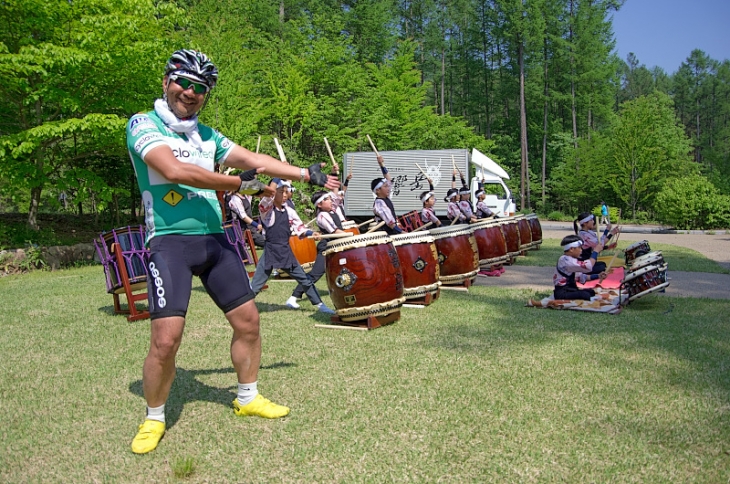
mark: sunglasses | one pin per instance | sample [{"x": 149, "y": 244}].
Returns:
[{"x": 186, "y": 83}]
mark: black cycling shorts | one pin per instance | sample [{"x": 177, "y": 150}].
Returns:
[{"x": 175, "y": 259}]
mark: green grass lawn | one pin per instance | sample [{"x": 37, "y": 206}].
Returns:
[
  {"x": 678, "y": 258},
  {"x": 475, "y": 388}
]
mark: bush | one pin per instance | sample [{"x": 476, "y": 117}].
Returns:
[
  {"x": 692, "y": 203},
  {"x": 556, "y": 215}
]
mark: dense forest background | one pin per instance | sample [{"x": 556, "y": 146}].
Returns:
[{"x": 534, "y": 83}]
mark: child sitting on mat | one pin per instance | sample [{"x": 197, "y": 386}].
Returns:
[
  {"x": 587, "y": 234},
  {"x": 569, "y": 267}
]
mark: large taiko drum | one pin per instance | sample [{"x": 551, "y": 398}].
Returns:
[
  {"x": 419, "y": 265},
  {"x": 648, "y": 279},
  {"x": 457, "y": 254},
  {"x": 525, "y": 232},
  {"x": 131, "y": 242},
  {"x": 511, "y": 231},
  {"x": 305, "y": 251},
  {"x": 364, "y": 276},
  {"x": 536, "y": 230},
  {"x": 350, "y": 226},
  {"x": 491, "y": 244},
  {"x": 637, "y": 249}
]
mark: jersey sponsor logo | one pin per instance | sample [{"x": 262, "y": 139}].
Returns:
[
  {"x": 158, "y": 282},
  {"x": 135, "y": 131},
  {"x": 225, "y": 143},
  {"x": 208, "y": 195},
  {"x": 145, "y": 139},
  {"x": 139, "y": 119},
  {"x": 181, "y": 154},
  {"x": 173, "y": 198}
]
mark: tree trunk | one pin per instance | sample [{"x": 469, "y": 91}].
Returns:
[
  {"x": 546, "y": 92},
  {"x": 573, "y": 108},
  {"x": 525, "y": 189},
  {"x": 35, "y": 197},
  {"x": 443, "y": 80}
]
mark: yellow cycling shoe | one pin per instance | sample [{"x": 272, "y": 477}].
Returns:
[
  {"x": 149, "y": 435},
  {"x": 260, "y": 407}
]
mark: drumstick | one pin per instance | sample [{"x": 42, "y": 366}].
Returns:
[
  {"x": 282, "y": 156},
  {"x": 456, "y": 219},
  {"x": 376, "y": 227},
  {"x": 365, "y": 222},
  {"x": 329, "y": 150},
  {"x": 258, "y": 144},
  {"x": 423, "y": 226},
  {"x": 352, "y": 163},
  {"x": 330, "y": 236},
  {"x": 456, "y": 167},
  {"x": 310, "y": 222},
  {"x": 421, "y": 170},
  {"x": 372, "y": 145}
]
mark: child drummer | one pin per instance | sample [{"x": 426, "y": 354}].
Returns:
[
  {"x": 280, "y": 221},
  {"x": 329, "y": 223},
  {"x": 482, "y": 210},
  {"x": 429, "y": 200},
  {"x": 383, "y": 206},
  {"x": 569, "y": 268},
  {"x": 587, "y": 234}
]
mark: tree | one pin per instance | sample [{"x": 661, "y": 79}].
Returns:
[
  {"x": 646, "y": 146},
  {"x": 74, "y": 71}
]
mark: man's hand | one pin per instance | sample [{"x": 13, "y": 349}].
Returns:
[
  {"x": 255, "y": 187},
  {"x": 316, "y": 177},
  {"x": 249, "y": 175}
]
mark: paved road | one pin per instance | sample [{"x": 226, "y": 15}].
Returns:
[{"x": 681, "y": 284}]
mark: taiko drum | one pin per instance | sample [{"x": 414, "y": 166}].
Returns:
[
  {"x": 364, "y": 276},
  {"x": 419, "y": 266},
  {"x": 305, "y": 251},
  {"x": 457, "y": 254},
  {"x": 491, "y": 244},
  {"x": 525, "y": 232},
  {"x": 536, "y": 230},
  {"x": 351, "y": 227},
  {"x": 511, "y": 231}
]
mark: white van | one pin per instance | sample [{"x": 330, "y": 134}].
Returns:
[{"x": 407, "y": 170}]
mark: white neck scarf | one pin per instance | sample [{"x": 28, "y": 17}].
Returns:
[{"x": 188, "y": 127}]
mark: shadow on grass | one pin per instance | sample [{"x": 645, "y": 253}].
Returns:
[
  {"x": 187, "y": 388},
  {"x": 694, "y": 330}
]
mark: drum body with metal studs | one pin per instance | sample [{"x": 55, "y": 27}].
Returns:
[
  {"x": 510, "y": 228},
  {"x": 647, "y": 280},
  {"x": 525, "y": 232},
  {"x": 305, "y": 251},
  {"x": 491, "y": 244},
  {"x": 457, "y": 254},
  {"x": 536, "y": 230},
  {"x": 364, "y": 276},
  {"x": 637, "y": 249},
  {"x": 419, "y": 265}
]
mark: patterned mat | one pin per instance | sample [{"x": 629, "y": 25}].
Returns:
[{"x": 606, "y": 300}]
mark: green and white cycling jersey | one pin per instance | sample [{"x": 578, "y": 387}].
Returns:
[{"x": 171, "y": 208}]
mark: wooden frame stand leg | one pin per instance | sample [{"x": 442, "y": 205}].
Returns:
[
  {"x": 371, "y": 322},
  {"x": 128, "y": 289}
]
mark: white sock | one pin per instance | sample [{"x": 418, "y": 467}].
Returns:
[
  {"x": 247, "y": 392},
  {"x": 156, "y": 413}
]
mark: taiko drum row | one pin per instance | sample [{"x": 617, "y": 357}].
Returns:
[{"x": 374, "y": 274}]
